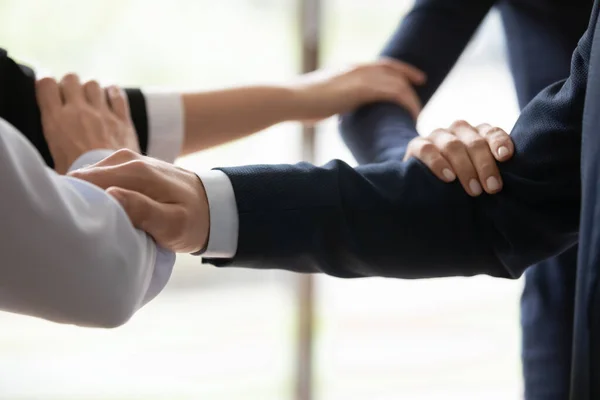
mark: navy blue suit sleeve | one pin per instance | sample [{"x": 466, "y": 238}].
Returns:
[
  {"x": 431, "y": 37},
  {"x": 540, "y": 38},
  {"x": 18, "y": 105},
  {"x": 395, "y": 219}
]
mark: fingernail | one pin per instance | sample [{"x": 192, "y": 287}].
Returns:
[
  {"x": 502, "y": 151},
  {"x": 449, "y": 175},
  {"x": 475, "y": 187},
  {"x": 113, "y": 91},
  {"x": 492, "y": 183}
]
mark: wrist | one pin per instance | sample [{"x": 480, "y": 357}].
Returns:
[
  {"x": 205, "y": 216},
  {"x": 201, "y": 214},
  {"x": 308, "y": 107},
  {"x": 292, "y": 101}
]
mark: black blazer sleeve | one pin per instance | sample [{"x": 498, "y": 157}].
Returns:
[
  {"x": 396, "y": 219},
  {"x": 431, "y": 37},
  {"x": 18, "y": 106}
]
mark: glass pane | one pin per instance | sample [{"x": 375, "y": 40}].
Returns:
[
  {"x": 212, "y": 334},
  {"x": 434, "y": 339}
]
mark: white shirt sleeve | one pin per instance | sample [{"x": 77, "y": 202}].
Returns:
[
  {"x": 224, "y": 220},
  {"x": 69, "y": 252},
  {"x": 165, "y": 124}
]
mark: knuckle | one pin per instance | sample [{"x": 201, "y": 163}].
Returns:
[
  {"x": 45, "y": 82},
  {"x": 71, "y": 76},
  {"x": 500, "y": 140},
  {"x": 137, "y": 166},
  {"x": 143, "y": 169},
  {"x": 478, "y": 144},
  {"x": 414, "y": 144},
  {"x": 125, "y": 154},
  {"x": 439, "y": 132},
  {"x": 461, "y": 123},
  {"x": 453, "y": 145},
  {"x": 426, "y": 147},
  {"x": 483, "y": 128},
  {"x": 91, "y": 85},
  {"x": 495, "y": 131}
]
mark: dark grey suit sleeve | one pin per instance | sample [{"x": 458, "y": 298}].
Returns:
[{"x": 431, "y": 37}]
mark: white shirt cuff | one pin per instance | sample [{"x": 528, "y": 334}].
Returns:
[
  {"x": 223, "y": 237},
  {"x": 165, "y": 124},
  {"x": 89, "y": 158}
]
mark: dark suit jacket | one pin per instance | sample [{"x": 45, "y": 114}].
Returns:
[
  {"x": 19, "y": 107},
  {"x": 540, "y": 38},
  {"x": 396, "y": 219}
]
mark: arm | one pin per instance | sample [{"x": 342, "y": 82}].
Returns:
[
  {"x": 540, "y": 40},
  {"x": 69, "y": 253},
  {"x": 170, "y": 124},
  {"x": 396, "y": 219},
  {"x": 220, "y": 116},
  {"x": 393, "y": 219},
  {"x": 157, "y": 117},
  {"x": 217, "y": 117},
  {"x": 431, "y": 37}
]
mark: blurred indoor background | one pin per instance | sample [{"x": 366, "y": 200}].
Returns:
[{"x": 234, "y": 334}]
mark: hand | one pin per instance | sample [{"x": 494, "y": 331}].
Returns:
[
  {"x": 384, "y": 80},
  {"x": 78, "y": 118},
  {"x": 167, "y": 202},
  {"x": 467, "y": 152}
]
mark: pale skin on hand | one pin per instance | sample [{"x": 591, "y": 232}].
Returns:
[
  {"x": 77, "y": 118},
  {"x": 465, "y": 152},
  {"x": 167, "y": 202},
  {"x": 338, "y": 92}
]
